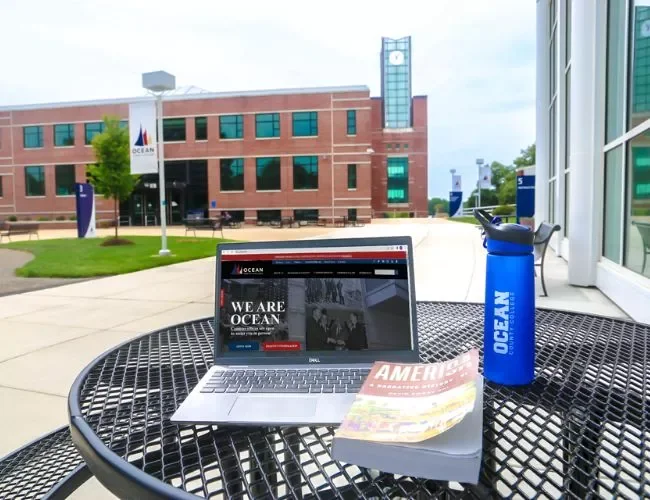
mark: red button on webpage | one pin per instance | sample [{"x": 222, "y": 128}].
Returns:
[{"x": 281, "y": 346}]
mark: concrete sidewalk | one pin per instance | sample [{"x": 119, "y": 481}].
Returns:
[{"x": 49, "y": 336}]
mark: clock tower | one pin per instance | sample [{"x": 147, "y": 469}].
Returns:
[{"x": 396, "y": 82}]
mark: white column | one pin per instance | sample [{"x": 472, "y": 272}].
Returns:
[
  {"x": 542, "y": 114},
  {"x": 583, "y": 216}
]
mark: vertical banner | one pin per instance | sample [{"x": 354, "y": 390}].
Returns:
[
  {"x": 85, "y": 196},
  {"x": 485, "y": 179},
  {"x": 455, "y": 203},
  {"x": 455, "y": 183},
  {"x": 142, "y": 137},
  {"x": 525, "y": 195}
]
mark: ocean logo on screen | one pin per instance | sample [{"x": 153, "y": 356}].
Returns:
[
  {"x": 143, "y": 138},
  {"x": 236, "y": 269},
  {"x": 239, "y": 270}
]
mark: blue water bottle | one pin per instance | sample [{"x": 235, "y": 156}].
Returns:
[{"x": 509, "y": 335}]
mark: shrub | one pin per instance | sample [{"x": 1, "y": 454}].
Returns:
[
  {"x": 396, "y": 215},
  {"x": 503, "y": 210},
  {"x": 61, "y": 217},
  {"x": 73, "y": 217},
  {"x": 440, "y": 208},
  {"x": 12, "y": 218},
  {"x": 43, "y": 219}
]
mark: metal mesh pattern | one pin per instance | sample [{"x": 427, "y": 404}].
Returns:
[
  {"x": 580, "y": 429},
  {"x": 32, "y": 471}
]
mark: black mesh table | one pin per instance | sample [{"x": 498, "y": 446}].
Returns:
[{"x": 580, "y": 430}]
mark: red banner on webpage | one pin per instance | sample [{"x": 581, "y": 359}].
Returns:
[
  {"x": 314, "y": 256},
  {"x": 280, "y": 346}
]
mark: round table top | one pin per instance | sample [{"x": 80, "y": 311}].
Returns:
[{"x": 580, "y": 429}]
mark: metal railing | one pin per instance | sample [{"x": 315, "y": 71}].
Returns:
[{"x": 489, "y": 208}]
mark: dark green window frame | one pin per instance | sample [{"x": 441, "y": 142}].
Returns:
[
  {"x": 268, "y": 176},
  {"x": 200, "y": 128},
  {"x": 231, "y": 127},
  {"x": 91, "y": 130},
  {"x": 267, "y": 125},
  {"x": 352, "y": 122},
  {"x": 269, "y": 215},
  {"x": 397, "y": 184},
  {"x": 305, "y": 123},
  {"x": 305, "y": 172},
  {"x": 174, "y": 129},
  {"x": 33, "y": 136},
  {"x": 125, "y": 124},
  {"x": 35, "y": 180},
  {"x": 64, "y": 177},
  {"x": 352, "y": 176},
  {"x": 1, "y": 177},
  {"x": 231, "y": 171},
  {"x": 306, "y": 214},
  {"x": 63, "y": 134}
]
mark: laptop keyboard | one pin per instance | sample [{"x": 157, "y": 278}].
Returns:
[{"x": 326, "y": 380}]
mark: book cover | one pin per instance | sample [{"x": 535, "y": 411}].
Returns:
[{"x": 412, "y": 402}]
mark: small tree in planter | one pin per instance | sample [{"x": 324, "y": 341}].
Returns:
[{"x": 111, "y": 175}]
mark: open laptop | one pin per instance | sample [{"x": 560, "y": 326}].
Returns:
[{"x": 298, "y": 325}]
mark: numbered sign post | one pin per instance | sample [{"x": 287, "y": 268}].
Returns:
[{"x": 85, "y": 196}]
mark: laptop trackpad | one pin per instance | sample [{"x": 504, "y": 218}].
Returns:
[{"x": 280, "y": 407}]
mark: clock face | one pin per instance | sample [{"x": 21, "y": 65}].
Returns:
[
  {"x": 645, "y": 29},
  {"x": 396, "y": 57}
]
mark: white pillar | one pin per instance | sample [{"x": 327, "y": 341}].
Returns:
[
  {"x": 583, "y": 216},
  {"x": 542, "y": 114}
]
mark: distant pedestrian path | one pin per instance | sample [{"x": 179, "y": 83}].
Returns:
[{"x": 10, "y": 260}]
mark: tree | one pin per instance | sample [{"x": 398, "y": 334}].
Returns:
[
  {"x": 111, "y": 175},
  {"x": 488, "y": 197},
  {"x": 433, "y": 202},
  {"x": 526, "y": 157}
]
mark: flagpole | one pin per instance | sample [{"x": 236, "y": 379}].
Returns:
[{"x": 479, "y": 163}]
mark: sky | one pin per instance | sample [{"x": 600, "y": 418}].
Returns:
[{"x": 475, "y": 59}]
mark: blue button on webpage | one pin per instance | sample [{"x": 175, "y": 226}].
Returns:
[{"x": 244, "y": 346}]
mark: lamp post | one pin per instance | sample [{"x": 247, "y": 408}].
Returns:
[
  {"x": 479, "y": 164},
  {"x": 159, "y": 82}
]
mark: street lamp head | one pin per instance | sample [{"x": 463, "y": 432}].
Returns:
[
  {"x": 452, "y": 171},
  {"x": 158, "y": 81}
]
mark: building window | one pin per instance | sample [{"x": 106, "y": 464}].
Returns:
[
  {"x": 64, "y": 134},
  {"x": 91, "y": 130},
  {"x": 352, "y": 122},
  {"x": 639, "y": 62},
  {"x": 615, "y": 79},
  {"x": 33, "y": 136},
  {"x": 305, "y": 172},
  {"x": 64, "y": 179},
  {"x": 1, "y": 177},
  {"x": 267, "y": 125},
  {"x": 269, "y": 216},
  {"x": 637, "y": 208},
  {"x": 352, "y": 176},
  {"x": 612, "y": 223},
  {"x": 231, "y": 127},
  {"x": 35, "y": 181},
  {"x": 232, "y": 174},
  {"x": 305, "y": 123},
  {"x": 200, "y": 128},
  {"x": 268, "y": 174},
  {"x": 173, "y": 129},
  {"x": 398, "y": 180},
  {"x": 306, "y": 214},
  {"x": 125, "y": 124},
  {"x": 352, "y": 214}
]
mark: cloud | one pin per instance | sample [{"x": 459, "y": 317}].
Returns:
[{"x": 474, "y": 59}]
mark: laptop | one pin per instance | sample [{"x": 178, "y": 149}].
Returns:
[{"x": 298, "y": 325}]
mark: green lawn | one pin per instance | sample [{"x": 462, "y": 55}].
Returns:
[
  {"x": 79, "y": 258},
  {"x": 467, "y": 219}
]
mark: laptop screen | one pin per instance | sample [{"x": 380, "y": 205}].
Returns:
[{"x": 314, "y": 299}]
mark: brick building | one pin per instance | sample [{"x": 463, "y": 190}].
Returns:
[{"x": 321, "y": 152}]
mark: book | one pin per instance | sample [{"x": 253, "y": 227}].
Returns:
[{"x": 417, "y": 419}]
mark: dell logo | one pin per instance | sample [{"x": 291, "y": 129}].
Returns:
[{"x": 314, "y": 360}]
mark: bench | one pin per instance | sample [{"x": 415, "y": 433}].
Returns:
[
  {"x": 644, "y": 230},
  {"x": 10, "y": 229},
  {"x": 203, "y": 224},
  {"x": 540, "y": 244}
]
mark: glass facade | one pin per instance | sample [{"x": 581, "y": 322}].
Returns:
[
  {"x": 200, "y": 128},
  {"x": 613, "y": 204},
  {"x": 173, "y": 129},
  {"x": 267, "y": 125},
  {"x": 35, "y": 180},
  {"x": 305, "y": 123},
  {"x": 231, "y": 172},
  {"x": 64, "y": 134},
  {"x": 231, "y": 127},
  {"x": 33, "y": 136},
  {"x": 637, "y": 207},
  {"x": 352, "y": 176},
  {"x": 398, "y": 180},
  {"x": 352, "y": 122},
  {"x": 91, "y": 130},
  {"x": 64, "y": 178},
  {"x": 268, "y": 176},
  {"x": 305, "y": 172},
  {"x": 396, "y": 82},
  {"x": 306, "y": 214},
  {"x": 269, "y": 216},
  {"x": 640, "y": 63}
]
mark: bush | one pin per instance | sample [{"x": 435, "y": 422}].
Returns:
[
  {"x": 43, "y": 219},
  {"x": 503, "y": 210},
  {"x": 12, "y": 218},
  {"x": 440, "y": 208},
  {"x": 73, "y": 217},
  {"x": 61, "y": 217},
  {"x": 396, "y": 215}
]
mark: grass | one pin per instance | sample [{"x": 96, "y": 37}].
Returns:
[
  {"x": 468, "y": 219},
  {"x": 82, "y": 258}
]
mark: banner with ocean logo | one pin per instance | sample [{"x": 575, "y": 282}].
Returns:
[{"x": 142, "y": 137}]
